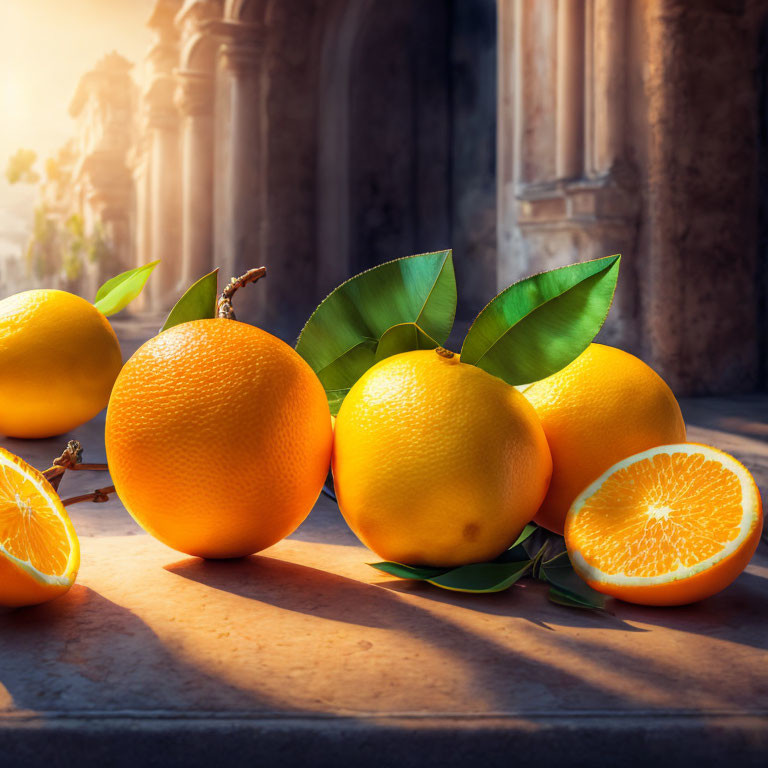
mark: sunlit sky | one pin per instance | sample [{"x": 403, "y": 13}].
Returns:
[{"x": 45, "y": 46}]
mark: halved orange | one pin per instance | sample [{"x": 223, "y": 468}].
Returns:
[
  {"x": 39, "y": 550},
  {"x": 668, "y": 526}
]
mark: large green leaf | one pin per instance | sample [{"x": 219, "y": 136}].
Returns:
[
  {"x": 539, "y": 325},
  {"x": 476, "y": 577},
  {"x": 118, "y": 292},
  {"x": 341, "y": 338},
  {"x": 336, "y": 398},
  {"x": 403, "y": 338},
  {"x": 567, "y": 587},
  {"x": 408, "y": 571},
  {"x": 482, "y": 577},
  {"x": 518, "y": 552},
  {"x": 197, "y": 303}
]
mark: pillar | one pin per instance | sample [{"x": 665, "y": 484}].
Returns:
[
  {"x": 142, "y": 218},
  {"x": 163, "y": 190},
  {"x": 164, "y": 203},
  {"x": 569, "y": 109},
  {"x": 194, "y": 98},
  {"x": 240, "y": 222},
  {"x": 609, "y": 51},
  {"x": 568, "y": 190}
]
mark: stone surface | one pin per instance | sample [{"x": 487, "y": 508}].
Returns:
[{"x": 305, "y": 655}]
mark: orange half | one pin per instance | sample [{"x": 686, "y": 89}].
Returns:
[
  {"x": 667, "y": 526},
  {"x": 39, "y": 550}
]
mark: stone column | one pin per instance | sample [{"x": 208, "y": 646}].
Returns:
[
  {"x": 164, "y": 203},
  {"x": 163, "y": 189},
  {"x": 138, "y": 164},
  {"x": 567, "y": 191},
  {"x": 608, "y": 32},
  {"x": 569, "y": 150},
  {"x": 142, "y": 213},
  {"x": 194, "y": 95},
  {"x": 240, "y": 221}
]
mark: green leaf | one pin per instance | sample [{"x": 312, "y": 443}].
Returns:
[
  {"x": 569, "y": 600},
  {"x": 404, "y": 337},
  {"x": 526, "y": 533},
  {"x": 558, "y": 561},
  {"x": 517, "y": 552},
  {"x": 482, "y": 577},
  {"x": 118, "y": 292},
  {"x": 197, "y": 303},
  {"x": 336, "y": 398},
  {"x": 567, "y": 588},
  {"x": 478, "y": 577},
  {"x": 341, "y": 338},
  {"x": 407, "y": 571},
  {"x": 539, "y": 325}
]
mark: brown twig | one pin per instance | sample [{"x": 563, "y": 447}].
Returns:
[
  {"x": 99, "y": 496},
  {"x": 69, "y": 460},
  {"x": 224, "y": 304}
]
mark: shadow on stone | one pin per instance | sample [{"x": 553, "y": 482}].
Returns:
[
  {"x": 84, "y": 651},
  {"x": 325, "y": 525},
  {"x": 527, "y": 600},
  {"x": 297, "y": 588},
  {"x": 735, "y": 615},
  {"x": 506, "y": 673}
]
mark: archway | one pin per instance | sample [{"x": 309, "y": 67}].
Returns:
[{"x": 407, "y": 138}]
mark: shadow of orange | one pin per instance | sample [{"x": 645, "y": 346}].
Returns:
[{"x": 84, "y": 651}]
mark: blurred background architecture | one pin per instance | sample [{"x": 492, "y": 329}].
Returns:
[{"x": 321, "y": 137}]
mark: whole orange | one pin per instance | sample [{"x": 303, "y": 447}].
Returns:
[
  {"x": 604, "y": 406},
  {"x": 218, "y": 438},
  {"x": 58, "y": 360},
  {"x": 437, "y": 462}
]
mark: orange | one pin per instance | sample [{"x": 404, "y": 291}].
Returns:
[
  {"x": 58, "y": 360},
  {"x": 437, "y": 462},
  {"x": 669, "y": 526},
  {"x": 39, "y": 550},
  {"x": 604, "y": 406},
  {"x": 218, "y": 438}
]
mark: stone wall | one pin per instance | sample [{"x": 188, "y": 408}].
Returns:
[
  {"x": 324, "y": 136},
  {"x": 698, "y": 286},
  {"x": 666, "y": 172}
]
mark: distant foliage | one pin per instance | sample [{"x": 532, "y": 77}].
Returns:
[
  {"x": 99, "y": 248},
  {"x": 53, "y": 169},
  {"x": 72, "y": 258},
  {"x": 43, "y": 253},
  {"x": 20, "y": 168},
  {"x": 65, "y": 248}
]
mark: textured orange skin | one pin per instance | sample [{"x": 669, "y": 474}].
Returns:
[
  {"x": 437, "y": 462},
  {"x": 58, "y": 360},
  {"x": 218, "y": 438},
  {"x": 18, "y": 588},
  {"x": 690, "y": 590},
  {"x": 604, "y": 406}
]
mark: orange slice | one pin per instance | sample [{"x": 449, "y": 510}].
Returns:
[
  {"x": 39, "y": 550},
  {"x": 667, "y": 526}
]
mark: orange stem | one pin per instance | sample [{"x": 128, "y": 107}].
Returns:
[
  {"x": 224, "y": 304},
  {"x": 70, "y": 459}
]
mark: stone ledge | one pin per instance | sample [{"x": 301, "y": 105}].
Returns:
[
  {"x": 390, "y": 742},
  {"x": 306, "y": 656}
]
